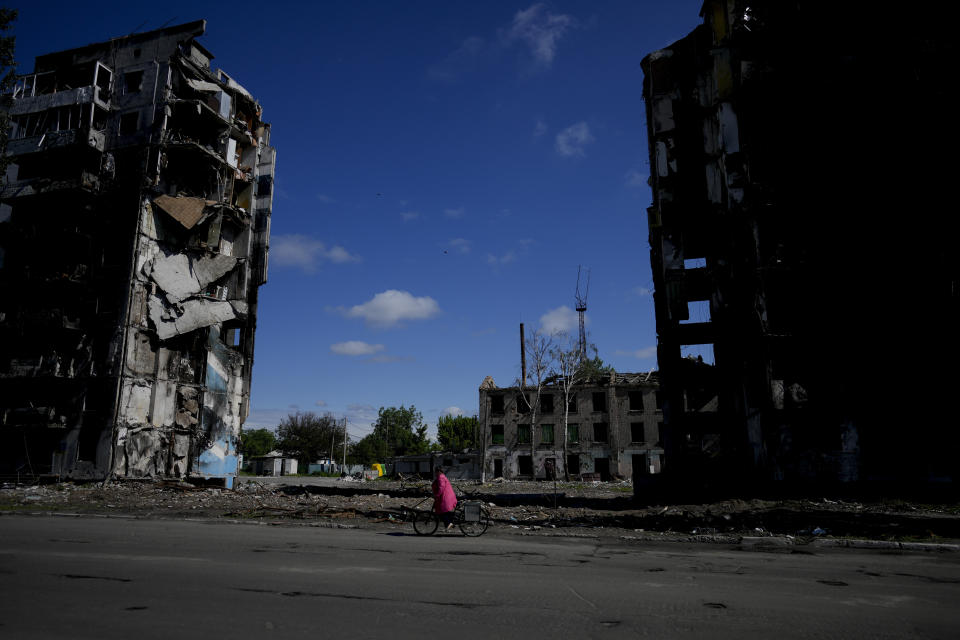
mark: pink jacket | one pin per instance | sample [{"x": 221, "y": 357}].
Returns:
[{"x": 444, "y": 499}]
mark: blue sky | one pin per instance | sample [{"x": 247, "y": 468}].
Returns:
[{"x": 443, "y": 168}]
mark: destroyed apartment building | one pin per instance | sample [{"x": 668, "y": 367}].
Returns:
[
  {"x": 802, "y": 230},
  {"x": 613, "y": 428},
  {"x": 133, "y": 239}
]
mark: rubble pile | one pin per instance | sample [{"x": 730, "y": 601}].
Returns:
[{"x": 516, "y": 507}]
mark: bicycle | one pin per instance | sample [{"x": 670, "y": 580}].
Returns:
[{"x": 473, "y": 518}]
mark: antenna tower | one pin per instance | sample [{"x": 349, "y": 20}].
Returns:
[{"x": 582, "y": 309}]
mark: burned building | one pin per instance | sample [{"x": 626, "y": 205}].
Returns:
[
  {"x": 133, "y": 239},
  {"x": 613, "y": 428},
  {"x": 800, "y": 228}
]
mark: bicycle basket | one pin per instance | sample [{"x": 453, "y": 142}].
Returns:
[{"x": 471, "y": 512}]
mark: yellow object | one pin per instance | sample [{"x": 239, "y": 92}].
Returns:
[{"x": 378, "y": 467}]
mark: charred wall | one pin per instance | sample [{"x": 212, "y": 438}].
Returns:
[
  {"x": 133, "y": 241},
  {"x": 800, "y": 190}
]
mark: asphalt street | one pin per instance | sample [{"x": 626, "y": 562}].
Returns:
[{"x": 70, "y": 577}]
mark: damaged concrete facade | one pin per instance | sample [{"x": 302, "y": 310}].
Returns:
[
  {"x": 798, "y": 228},
  {"x": 613, "y": 429},
  {"x": 133, "y": 240}
]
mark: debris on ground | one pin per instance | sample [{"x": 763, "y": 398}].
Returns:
[{"x": 526, "y": 506}]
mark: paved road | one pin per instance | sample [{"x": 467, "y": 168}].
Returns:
[{"x": 116, "y": 578}]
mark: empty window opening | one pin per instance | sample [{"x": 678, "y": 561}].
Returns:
[
  {"x": 233, "y": 337},
  {"x": 546, "y": 434},
  {"x": 694, "y": 263},
  {"x": 523, "y": 434},
  {"x": 697, "y": 311},
  {"x": 546, "y": 403},
  {"x": 602, "y": 466},
  {"x": 572, "y": 405},
  {"x": 129, "y": 122},
  {"x": 573, "y": 464},
  {"x": 523, "y": 403},
  {"x": 599, "y": 401},
  {"x": 573, "y": 433},
  {"x": 658, "y": 399},
  {"x": 498, "y": 468},
  {"x": 496, "y": 405},
  {"x": 699, "y": 352},
  {"x": 600, "y": 432},
  {"x": 659, "y": 434},
  {"x": 636, "y": 401},
  {"x": 525, "y": 465},
  {"x": 496, "y": 433},
  {"x": 132, "y": 81},
  {"x": 636, "y": 432}
]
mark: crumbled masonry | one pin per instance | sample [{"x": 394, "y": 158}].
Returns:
[{"x": 133, "y": 240}]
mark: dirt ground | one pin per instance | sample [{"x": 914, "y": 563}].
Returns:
[{"x": 523, "y": 508}]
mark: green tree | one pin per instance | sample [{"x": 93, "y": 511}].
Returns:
[
  {"x": 257, "y": 442},
  {"x": 397, "y": 432},
  {"x": 7, "y": 78},
  {"x": 309, "y": 436},
  {"x": 456, "y": 433}
]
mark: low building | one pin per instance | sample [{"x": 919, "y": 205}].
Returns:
[
  {"x": 273, "y": 464},
  {"x": 466, "y": 465},
  {"x": 613, "y": 426}
]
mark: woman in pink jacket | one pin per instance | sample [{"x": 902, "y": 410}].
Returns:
[{"x": 444, "y": 499}]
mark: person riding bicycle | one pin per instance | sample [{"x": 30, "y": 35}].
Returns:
[{"x": 444, "y": 499}]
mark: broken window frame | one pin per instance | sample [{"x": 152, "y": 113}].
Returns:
[
  {"x": 636, "y": 429},
  {"x": 496, "y": 434},
  {"x": 496, "y": 404},
  {"x": 602, "y": 396},
  {"x": 573, "y": 433}
]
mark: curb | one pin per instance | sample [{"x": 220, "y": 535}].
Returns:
[{"x": 885, "y": 544}]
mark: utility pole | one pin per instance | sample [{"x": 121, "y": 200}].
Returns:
[{"x": 344, "y": 468}]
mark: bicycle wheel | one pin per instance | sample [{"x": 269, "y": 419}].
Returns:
[
  {"x": 426, "y": 523},
  {"x": 474, "y": 529}
]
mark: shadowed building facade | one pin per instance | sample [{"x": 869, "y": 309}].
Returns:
[{"x": 134, "y": 234}]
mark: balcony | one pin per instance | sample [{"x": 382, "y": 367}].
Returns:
[{"x": 57, "y": 140}]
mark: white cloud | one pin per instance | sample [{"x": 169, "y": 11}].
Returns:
[
  {"x": 324, "y": 198},
  {"x": 410, "y": 215},
  {"x": 497, "y": 261},
  {"x": 540, "y": 30},
  {"x": 320, "y": 403},
  {"x": 560, "y": 319},
  {"x": 452, "y": 411},
  {"x": 454, "y": 213},
  {"x": 461, "y": 245},
  {"x": 539, "y": 128},
  {"x": 642, "y": 291},
  {"x": 304, "y": 252},
  {"x": 572, "y": 140},
  {"x": 641, "y": 354},
  {"x": 387, "y": 308},
  {"x": 355, "y": 348},
  {"x": 635, "y": 178}
]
